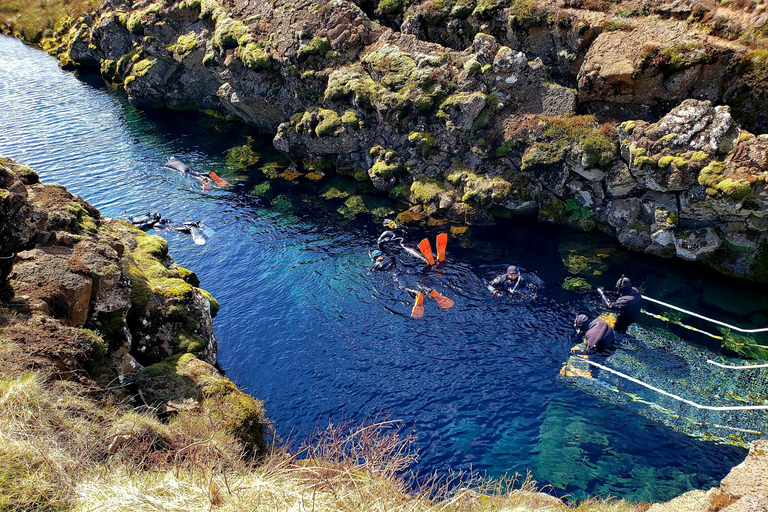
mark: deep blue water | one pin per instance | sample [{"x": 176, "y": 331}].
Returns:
[{"x": 307, "y": 328}]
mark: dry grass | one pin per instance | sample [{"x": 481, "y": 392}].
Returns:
[
  {"x": 33, "y": 19},
  {"x": 63, "y": 451}
]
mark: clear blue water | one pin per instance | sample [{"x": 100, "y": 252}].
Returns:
[{"x": 307, "y": 328}]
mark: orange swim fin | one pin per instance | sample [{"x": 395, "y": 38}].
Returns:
[
  {"x": 219, "y": 181},
  {"x": 442, "y": 241},
  {"x": 418, "y": 306},
  {"x": 426, "y": 249},
  {"x": 442, "y": 301}
]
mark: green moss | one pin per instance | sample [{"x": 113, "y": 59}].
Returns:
[
  {"x": 230, "y": 33},
  {"x": 735, "y": 189},
  {"x": 186, "y": 342},
  {"x": 317, "y": 46},
  {"x": 577, "y": 284},
  {"x": 211, "y": 9},
  {"x": 504, "y": 148},
  {"x": 526, "y": 13},
  {"x": 425, "y": 189},
  {"x": 665, "y": 161},
  {"x": 628, "y": 126},
  {"x": 338, "y": 188},
  {"x": 271, "y": 170},
  {"x": 673, "y": 59},
  {"x": 142, "y": 67},
  {"x": 254, "y": 57},
  {"x": 392, "y": 6},
  {"x": 485, "y": 8},
  {"x": 712, "y": 174},
  {"x": 108, "y": 69},
  {"x": 601, "y": 151},
  {"x": 282, "y": 204},
  {"x": 699, "y": 156},
  {"x": 426, "y": 141},
  {"x": 350, "y": 119},
  {"x": 192, "y": 5},
  {"x": 669, "y": 137},
  {"x": 213, "y": 303},
  {"x": 436, "y": 11},
  {"x": 329, "y": 121},
  {"x": 353, "y": 206},
  {"x": 185, "y": 44},
  {"x": 242, "y": 157},
  {"x": 613, "y": 25},
  {"x": 208, "y": 59},
  {"x": 640, "y": 161},
  {"x": 134, "y": 24},
  {"x": 385, "y": 170},
  {"x": 262, "y": 189}
]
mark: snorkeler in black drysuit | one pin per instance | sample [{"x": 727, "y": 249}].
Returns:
[
  {"x": 146, "y": 221},
  {"x": 513, "y": 282},
  {"x": 597, "y": 335},
  {"x": 627, "y": 301},
  {"x": 508, "y": 282},
  {"x": 387, "y": 262},
  {"x": 393, "y": 237},
  {"x": 185, "y": 170}
]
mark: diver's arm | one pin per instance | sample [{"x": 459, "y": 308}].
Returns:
[{"x": 497, "y": 285}]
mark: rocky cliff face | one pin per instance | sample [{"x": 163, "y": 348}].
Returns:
[
  {"x": 99, "y": 302},
  {"x": 468, "y": 109}
]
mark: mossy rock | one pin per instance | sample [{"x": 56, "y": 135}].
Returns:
[
  {"x": 350, "y": 119},
  {"x": 329, "y": 121},
  {"x": 317, "y": 46},
  {"x": 392, "y": 6},
  {"x": 338, "y": 188},
  {"x": 262, "y": 189},
  {"x": 230, "y": 33},
  {"x": 353, "y": 206},
  {"x": 244, "y": 156},
  {"x": 183, "y": 378},
  {"x": 425, "y": 190},
  {"x": 425, "y": 141},
  {"x": 142, "y": 67},
  {"x": 551, "y": 209},
  {"x": 577, "y": 284},
  {"x": 255, "y": 57},
  {"x": 185, "y": 44},
  {"x": 711, "y": 177},
  {"x": 581, "y": 260}
]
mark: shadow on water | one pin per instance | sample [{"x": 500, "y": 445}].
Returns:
[{"x": 307, "y": 327}]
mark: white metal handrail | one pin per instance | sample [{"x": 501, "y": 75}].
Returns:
[
  {"x": 739, "y": 329},
  {"x": 738, "y": 367},
  {"x": 676, "y": 397}
]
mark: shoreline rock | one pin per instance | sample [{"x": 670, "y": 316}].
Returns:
[{"x": 96, "y": 301}]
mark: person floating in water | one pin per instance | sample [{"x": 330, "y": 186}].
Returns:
[
  {"x": 146, "y": 221},
  {"x": 597, "y": 335},
  {"x": 627, "y": 301},
  {"x": 508, "y": 282},
  {"x": 395, "y": 235},
  {"x": 387, "y": 262},
  {"x": 183, "y": 169},
  {"x": 513, "y": 283}
]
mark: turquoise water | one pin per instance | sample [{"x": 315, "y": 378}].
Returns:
[{"x": 307, "y": 328}]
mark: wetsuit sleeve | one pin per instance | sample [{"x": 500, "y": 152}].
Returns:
[
  {"x": 497, "y": 284},
  {"x": 620, "y": 304}
]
